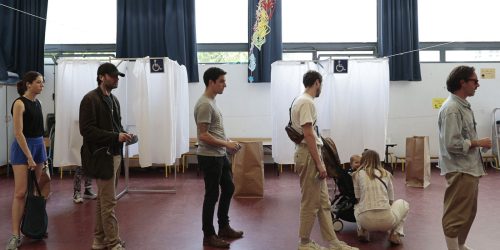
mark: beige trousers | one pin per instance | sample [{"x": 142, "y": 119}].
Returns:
[
  {"x": 460, "y": 205},
  {"x": 106, "y": 227},
  {"x": 315, "y": 200},
  {"x": 384, "y": 219}
]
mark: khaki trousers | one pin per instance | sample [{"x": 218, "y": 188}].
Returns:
[
  {"x": 315, "y": 200},
  {"x": 384, "y": 219},
  {"x": 460, "y": 205},
  {"x": 106, "y": 227}
]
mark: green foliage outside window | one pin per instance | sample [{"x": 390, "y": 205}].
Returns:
[{"x": 223, "y": 57}]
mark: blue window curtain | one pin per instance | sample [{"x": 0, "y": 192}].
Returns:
[
  {"x": 272, "y": 49},
  {"x": 158, "y": 29},
  {"x": 398, "y": 33},
  {"x": 22, "y": 36}
]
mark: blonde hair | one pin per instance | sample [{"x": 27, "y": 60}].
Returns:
[
  {"x": 370, "y": 161},
  {"x": 353, "y": 158}
]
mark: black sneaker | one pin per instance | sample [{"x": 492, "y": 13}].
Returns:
[{"x": 88, "y": 194}]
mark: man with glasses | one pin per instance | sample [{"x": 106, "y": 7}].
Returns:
[{"x": 459, "y": 156}]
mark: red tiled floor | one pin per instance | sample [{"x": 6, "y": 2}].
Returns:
[{"x": 173, "y": 221}]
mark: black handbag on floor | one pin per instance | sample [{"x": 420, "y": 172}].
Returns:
[{"x": 35, "y": 220}]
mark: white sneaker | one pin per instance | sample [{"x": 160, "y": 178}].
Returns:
[
  {"x": 77, "y": 198},
  {"x": 118, "y": 247},
  {"x": 311, "y": 246},
  {"x": 341, "y": 246},
  {"x": 14, "y": 243},
  {"x": 464, "y": 247}
]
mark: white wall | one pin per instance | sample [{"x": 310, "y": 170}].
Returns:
[
  {"x": 245, "y": 106},
  {"x": 246, "y": 112},
  {"x": 411, "y": 111}
]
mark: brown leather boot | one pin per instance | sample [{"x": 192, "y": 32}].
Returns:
[
  {"x": 228, "y": 232},
  {"x": 215, "y": 241}
]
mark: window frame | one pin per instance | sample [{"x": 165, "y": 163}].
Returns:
[{"x": 315, "y": 48}]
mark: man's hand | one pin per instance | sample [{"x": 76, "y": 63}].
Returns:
[
  {"x": 124, "y": 137},
  {"x": 322, "y": 171},
  {"x": 484, "y": 142},
  {"x": 233, "y": 146}
]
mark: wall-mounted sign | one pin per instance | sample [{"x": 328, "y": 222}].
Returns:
[
  {"x": 156, "y": 66},
  {"x": 488, "y": 73},
  {"x": 340, "y": 66},
  {"x": 437, "y": 102}
]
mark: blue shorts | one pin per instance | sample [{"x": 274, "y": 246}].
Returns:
[{"x": 37, "y": 148}]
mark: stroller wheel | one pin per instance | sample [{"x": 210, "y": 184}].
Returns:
[{"x": 337, "y": 225}]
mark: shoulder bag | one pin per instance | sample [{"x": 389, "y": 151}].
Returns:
[
  {"x": 295, "y": 136},
  {"x": 34, "y": 222}
]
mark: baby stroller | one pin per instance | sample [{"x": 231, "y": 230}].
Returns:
[
  {"x": 342, "y": 206},
  {"x": 343, "y": 203}
]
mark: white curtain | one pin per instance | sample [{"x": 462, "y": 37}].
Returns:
[
  {"x": 352, "y": 109},
  {"x": 360, "y": 107},
  {"x": 286, "y": 84},
  {"x": 161, "y": 112},
  {"x": 74, "y": 80},
  {"x": 153, "y": 106}
]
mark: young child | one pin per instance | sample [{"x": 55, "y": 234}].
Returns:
[{"x": 354, "y": 163}]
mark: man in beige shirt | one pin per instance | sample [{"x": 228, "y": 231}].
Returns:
[{"x": 315, "y": 199}]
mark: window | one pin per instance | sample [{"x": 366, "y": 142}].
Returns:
[
  {"x": 81, "y": 22},
  {"x": 221, "y": 21},
  {"x": 322, "y": 21},
  {"x": 461, "y": 21},
  {"x": 223, "y": 57},
  {"x": 473, "y": 55},
  {"x": 429, "y": 56},
  {"x": 297, "y": 56}
]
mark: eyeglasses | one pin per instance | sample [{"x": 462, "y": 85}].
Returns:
[{"x": 474, "y": 80}]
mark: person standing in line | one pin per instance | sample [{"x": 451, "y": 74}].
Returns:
[
  {"x": 77, "y": 186},
  {"x": 315, "y": 200},
  {"x": 460, "y": 157},
  {"x": 28, "y": 151},
  {"x": 213, "y": 160},
  {"x": 100, "y": 126}
]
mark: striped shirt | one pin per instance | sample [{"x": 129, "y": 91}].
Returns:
[{"x": 372, "y": 194}]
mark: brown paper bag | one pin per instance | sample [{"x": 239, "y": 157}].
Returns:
[
  {"x": 248, "y": 170},
  {"x": 418, "y": 161}
]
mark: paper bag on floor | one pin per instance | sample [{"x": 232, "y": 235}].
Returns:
[
  {"x": 418, "y": 161},
  {"x": 248, "y": 170}
]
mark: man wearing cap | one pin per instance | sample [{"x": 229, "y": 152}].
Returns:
[{"x": 103, "y": 137}]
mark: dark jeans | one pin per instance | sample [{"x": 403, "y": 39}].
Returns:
[{"x": 217, "y": 172}]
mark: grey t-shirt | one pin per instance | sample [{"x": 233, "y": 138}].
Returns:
[{"x": 206, "y": 111}]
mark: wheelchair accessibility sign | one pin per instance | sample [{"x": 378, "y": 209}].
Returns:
[
  {"x": 340, "y": 66},
  {"x": 156, "y": 66}
]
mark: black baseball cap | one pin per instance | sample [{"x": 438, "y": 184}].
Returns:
[{"x": 110, "y": 69}]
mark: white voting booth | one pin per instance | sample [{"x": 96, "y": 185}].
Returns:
[
  {"x": 154, "y": 100},
  {"x": 352, "y": 109}
]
